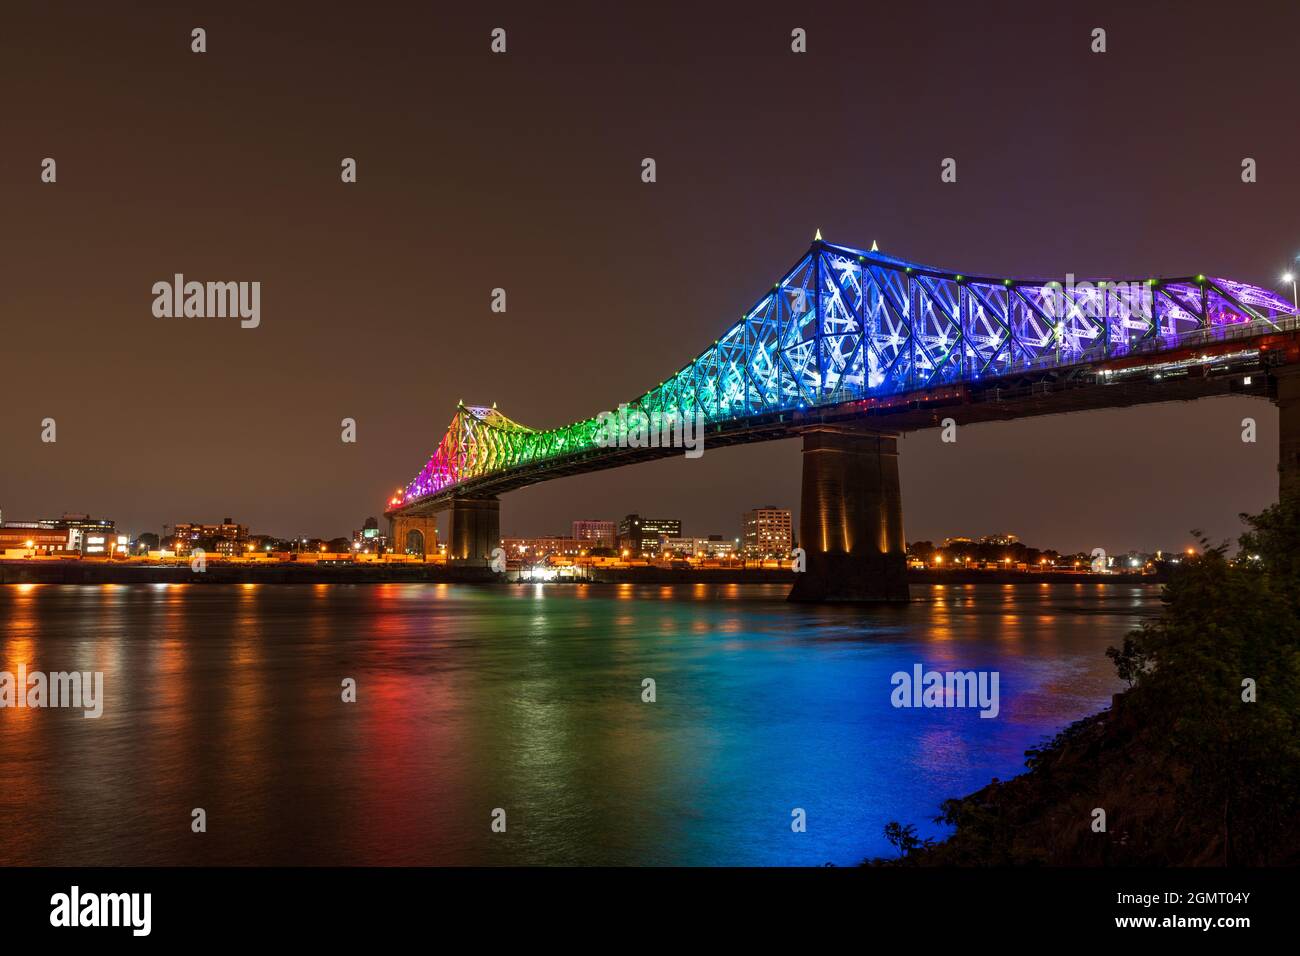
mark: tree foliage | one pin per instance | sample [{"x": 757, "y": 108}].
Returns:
[
  {"x": 1228, "y": 627},
  {"x": 1197, "y": 763}
]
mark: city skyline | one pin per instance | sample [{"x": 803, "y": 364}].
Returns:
[{"x": 716, "y": 531}]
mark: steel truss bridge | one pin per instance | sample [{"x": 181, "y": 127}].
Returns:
[{"x": 852, "y": 335}]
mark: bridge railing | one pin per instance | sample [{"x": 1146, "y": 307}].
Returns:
[{"x": 1166, "y": 343}]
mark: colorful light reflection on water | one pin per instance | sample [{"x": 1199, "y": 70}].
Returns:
[{"x": 529, "y": 699}]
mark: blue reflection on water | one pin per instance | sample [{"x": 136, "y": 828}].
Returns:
[{"x": 528, "y": 699}]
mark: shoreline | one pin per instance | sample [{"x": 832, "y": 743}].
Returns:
[{"x": 90, "y": 573}]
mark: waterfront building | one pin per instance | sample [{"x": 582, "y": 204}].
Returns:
[
  {"x": 79, "y": 533},
  {"x": 714, "y": 546},
  {"x": 19, "y": 541},
  {"x": 533, "y": 550},
  {"x": 596, "y": 533},
  {"x": 226, "y": 538},
  {"x": 767, "y": 532},
  {"x": 370, "y": 540},
  {"x": 641, "y": 536}
]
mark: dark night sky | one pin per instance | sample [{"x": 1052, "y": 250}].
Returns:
[{"x": 522, "y": 171}]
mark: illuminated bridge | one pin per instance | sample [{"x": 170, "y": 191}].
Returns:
[{"x": 851, "y": 348}]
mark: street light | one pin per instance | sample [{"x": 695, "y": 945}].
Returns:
[{"x": 1295, "y": 299}]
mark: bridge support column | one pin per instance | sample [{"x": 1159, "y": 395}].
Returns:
[
  {"x": 851, "y": 519},
  {"x": 475, "y": 531},
  {"x": 424, "y": 541},
  {"x": 1288, "y": 432}
]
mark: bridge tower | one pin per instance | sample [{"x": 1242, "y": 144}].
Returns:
[
  {"x": 851, "y": 519},
  {"x": 413, "y": 534}
]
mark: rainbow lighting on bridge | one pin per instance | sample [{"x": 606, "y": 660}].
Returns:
[{"x": 845, "y": 325}]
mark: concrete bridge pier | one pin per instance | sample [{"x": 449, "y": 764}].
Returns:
[
  {"x": 1288, "y": 451},
  {"x": 851, "y": 519},
  {"x": 475, "y": 531},
  {"x": 413, "y": 534}
]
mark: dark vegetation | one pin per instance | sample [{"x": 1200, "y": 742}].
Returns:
[{"x": 1189, "y": 769}]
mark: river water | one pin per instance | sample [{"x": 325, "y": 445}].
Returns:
[{"x": 528, "y": 700}]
